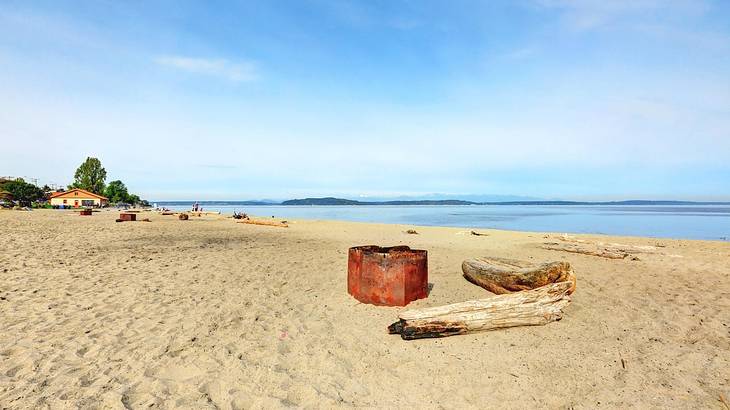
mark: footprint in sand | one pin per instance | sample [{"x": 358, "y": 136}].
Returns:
[{"x": 12, "y": 372}]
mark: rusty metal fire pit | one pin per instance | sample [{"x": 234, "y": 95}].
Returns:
[
  {"x": 126, "y": 216},
  {"x": 392, "y": 276}
]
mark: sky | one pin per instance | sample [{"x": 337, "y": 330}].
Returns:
[{"x": 216, "y": 100}]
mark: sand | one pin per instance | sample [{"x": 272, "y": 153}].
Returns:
[{"x": 208, "y": 313}]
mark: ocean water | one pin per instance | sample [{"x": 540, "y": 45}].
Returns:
[{"x": 672, "y": 221}]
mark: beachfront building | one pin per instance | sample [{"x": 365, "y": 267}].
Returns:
[{"x": 76, "y": 198}]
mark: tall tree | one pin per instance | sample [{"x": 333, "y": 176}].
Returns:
[
  {"x": 117, "y": 192},
  {"x": 23, "y": 192},
  {"x": 90, "y": 176}
]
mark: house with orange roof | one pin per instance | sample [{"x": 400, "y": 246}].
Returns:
[{"x": 77, "y": 197}]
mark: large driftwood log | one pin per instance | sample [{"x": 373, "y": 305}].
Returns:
[
  {"x": 602, "y": 252},
  {"x": 533, "y": 307},
  {"x": 499, "y": 275}
]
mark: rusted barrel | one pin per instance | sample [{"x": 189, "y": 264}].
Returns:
[
  {"x": 392, "y": 276},
  {"x": 127, "y": 216}
]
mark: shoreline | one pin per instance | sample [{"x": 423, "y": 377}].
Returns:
[
  {"x": 534, "y": 232},
  {"x": 675, "y": 222}
]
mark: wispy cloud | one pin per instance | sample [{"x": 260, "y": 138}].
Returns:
[
  {"x": 590, "y": 14},
  {"x": 233, "y": 71}
]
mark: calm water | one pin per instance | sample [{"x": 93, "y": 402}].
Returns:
[{"x": 690, "y": 222}]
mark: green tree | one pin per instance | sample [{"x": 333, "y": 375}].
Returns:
[
  {"x": 90, "y": 176},
  {"x": 23, "y": 192},
  {"x": 116, "y": 191},
  {"x": 133, "y": 199}
]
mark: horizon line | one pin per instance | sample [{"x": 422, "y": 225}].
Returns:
[{"x": 465, "y": 202}]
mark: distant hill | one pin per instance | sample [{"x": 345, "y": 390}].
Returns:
[{"x": 321, "y": 201}]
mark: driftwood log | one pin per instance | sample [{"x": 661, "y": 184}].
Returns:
[
  {"x": 265, "y": 223},
  {"x": 603, "y": 252},
  {"x": 532, "y": 307},
  {"x": 499, "y": 275},
  {"x": 602, "y": 249}
]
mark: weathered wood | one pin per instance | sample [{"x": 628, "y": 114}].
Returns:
[
  {"x": 610, "y": 250},
  {"x": 602, "y": 252},
  {"x": 265, "y": 223},
  {"x": 500, "y": 275},
  {"x": 529, "y": 308}
]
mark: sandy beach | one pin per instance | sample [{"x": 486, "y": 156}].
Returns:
[{"x": 209, "y": 313}]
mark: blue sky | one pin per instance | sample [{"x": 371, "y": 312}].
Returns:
[{"x": 572, "y": 99}]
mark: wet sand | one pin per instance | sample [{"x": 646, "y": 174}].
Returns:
[{"x": 209, "y": 313}]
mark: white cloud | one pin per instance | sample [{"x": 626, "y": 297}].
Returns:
[{"x": 234, "y": 71}]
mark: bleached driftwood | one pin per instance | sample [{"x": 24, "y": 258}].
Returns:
[
  {"x": 500, "y": 275},
  {"x": 592, "y": 250},
  {"x": 621, "y": 247},
  {"x": 610, "y": 250},
  {"x": 266, "y": 223},
  {"x": 532, "y": 307}
]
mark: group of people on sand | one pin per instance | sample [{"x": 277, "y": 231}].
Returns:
[{"x": 197, "y": 207}]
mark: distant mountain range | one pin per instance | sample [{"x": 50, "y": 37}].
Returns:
[{"x": 460, "y": 197}]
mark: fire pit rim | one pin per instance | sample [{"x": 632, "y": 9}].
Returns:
[{"x": 387, "y": 250}]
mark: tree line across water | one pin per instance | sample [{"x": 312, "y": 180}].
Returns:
[{"x": 90, "y": 176}]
